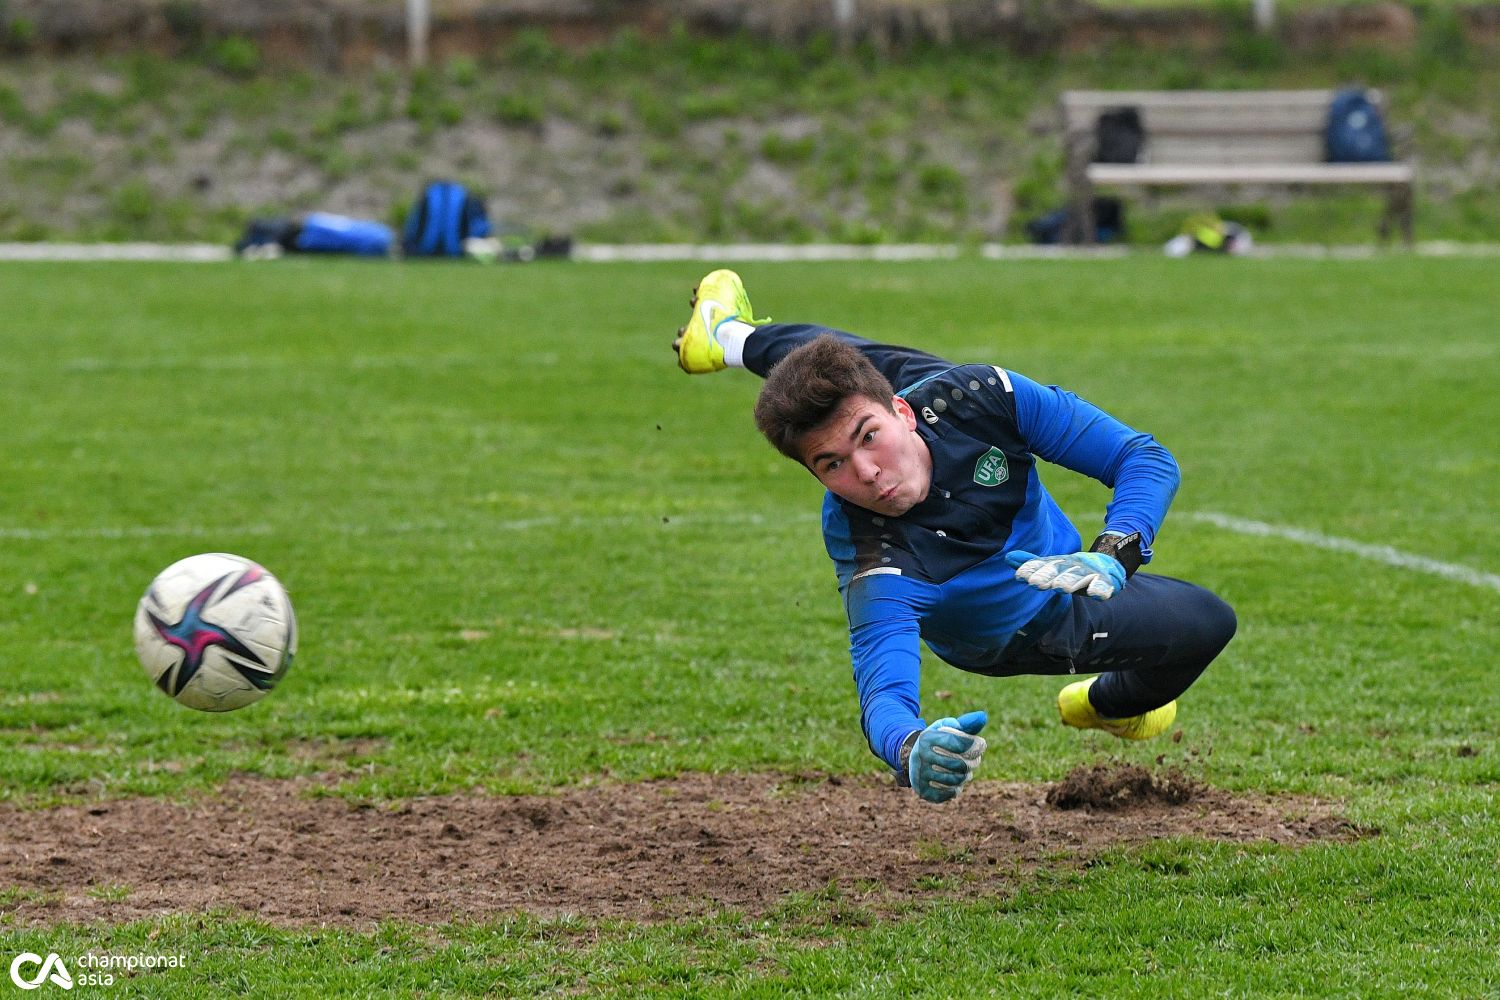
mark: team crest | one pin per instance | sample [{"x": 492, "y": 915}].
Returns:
[{"x": 991, "y": 469}]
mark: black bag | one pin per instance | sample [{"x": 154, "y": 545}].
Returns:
[
  {"x": 277, "y": 231},
  {"x": 1119, "y": 136},
  {"x": 1059, "y": 226}
]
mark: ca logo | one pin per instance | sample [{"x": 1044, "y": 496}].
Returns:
[{"x": 52, "y": 964}]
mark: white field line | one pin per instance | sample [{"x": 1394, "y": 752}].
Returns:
[
  {"x": 191, "y": 252},
  {"x": 1377, "y": 553},
  {"x": 730, "y": 253}
]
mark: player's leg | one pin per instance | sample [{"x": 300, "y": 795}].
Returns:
[
  {"x": 1151, "y": 642},
  {"x": 901, "y": 366},
  {"x": 722, "y": 333}
]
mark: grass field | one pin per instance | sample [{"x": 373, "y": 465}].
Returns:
[{"x": 527, "y": 552}]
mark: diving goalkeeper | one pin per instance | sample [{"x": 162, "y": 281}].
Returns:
[{"x": 941, "y": 531}]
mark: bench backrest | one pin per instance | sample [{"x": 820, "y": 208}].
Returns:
[{"x": 1192, "y": 127}]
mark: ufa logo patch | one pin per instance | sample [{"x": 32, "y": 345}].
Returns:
[{"x": 991, "y": 469}]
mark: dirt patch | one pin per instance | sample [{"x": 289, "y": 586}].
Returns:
[
  {"x": 1122, "y": 786},
  {"x": 650, "y": 850}
]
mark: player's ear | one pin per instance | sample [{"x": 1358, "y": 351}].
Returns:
[{"x": 904, "y": 411}]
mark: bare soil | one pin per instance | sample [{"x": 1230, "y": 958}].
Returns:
[{"x": 652, "y": 850}]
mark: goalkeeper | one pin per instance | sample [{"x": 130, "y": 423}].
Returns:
[{"x": 941, "y": 530}]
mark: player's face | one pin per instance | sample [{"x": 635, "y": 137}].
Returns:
[{"x": 870, "y": 456}]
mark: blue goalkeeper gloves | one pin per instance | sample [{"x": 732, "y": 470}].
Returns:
[
  {"x": 1094, "y": 573},
  {"x": 945, "y": 756}
]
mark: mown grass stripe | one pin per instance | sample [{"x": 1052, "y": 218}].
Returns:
[{"x": 106, "y": 532}]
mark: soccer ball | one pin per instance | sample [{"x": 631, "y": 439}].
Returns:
[{"x": 215, "y": 631}]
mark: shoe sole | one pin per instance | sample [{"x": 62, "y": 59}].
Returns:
[
  {"x": 1165, "y": 726},
  {"x": 1103, "y": 725},
  {"x": 682, "y": 330}
]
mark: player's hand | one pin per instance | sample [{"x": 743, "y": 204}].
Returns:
[
  {"x": 946, "y": 756},
  {"x": 1093, "y": 573}
]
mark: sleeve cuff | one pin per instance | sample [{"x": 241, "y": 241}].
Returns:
[
  {"x": 1125, "y": 548},
  {"x": 903, "y": 759}
]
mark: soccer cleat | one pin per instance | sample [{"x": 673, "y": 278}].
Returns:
[
  {"x": 1077, "y": 711},
  {"x": 717, "y": 299}
]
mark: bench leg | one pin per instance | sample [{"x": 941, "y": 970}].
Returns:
[
  {"x": 1407, "y": 206},
  {"x": 1398, "y": 211},
  {"x": 1080, "y": 225}
]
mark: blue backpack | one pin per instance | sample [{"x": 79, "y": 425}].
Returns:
[
  {"x": 1355, "y": 133},
  {"x": 444, "y": 215}
]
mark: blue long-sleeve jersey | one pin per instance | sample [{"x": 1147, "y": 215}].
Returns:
[{"x": 938, "y": 573}]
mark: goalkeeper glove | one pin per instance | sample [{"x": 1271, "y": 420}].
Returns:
[
  {"x": 1100, "y": 572},
  {"x": 945, "y": 755}
]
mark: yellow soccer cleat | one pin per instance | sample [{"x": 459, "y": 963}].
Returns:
[
  {"x": 1077, "y": 711},
  {"x": 717, "y": 299}
]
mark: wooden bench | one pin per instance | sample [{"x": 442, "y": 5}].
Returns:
[{"x": 1202, "y": 138}]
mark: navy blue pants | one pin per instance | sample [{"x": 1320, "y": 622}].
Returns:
[{"x": 1148, "y": 643}]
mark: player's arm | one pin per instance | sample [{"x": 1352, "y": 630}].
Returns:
[
  {"x": 942, "y": 758},
  {"x": 936, "y": 760},
  {"x": 1074, "y": 433}
]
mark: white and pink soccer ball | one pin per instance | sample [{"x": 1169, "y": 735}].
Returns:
[{"x": 215, "y": 631}]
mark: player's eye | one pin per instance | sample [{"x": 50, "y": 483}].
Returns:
[
  {"x": 832, "y": 466},
  {"x": 869, "y": 437}
]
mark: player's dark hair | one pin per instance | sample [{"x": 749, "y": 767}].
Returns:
[{"x": 809, "y": 385}]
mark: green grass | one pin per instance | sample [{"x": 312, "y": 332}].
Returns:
[{"x": 519, "y": 540}]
